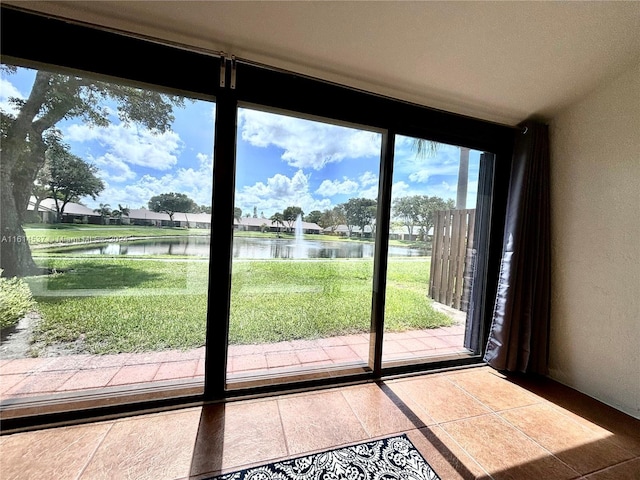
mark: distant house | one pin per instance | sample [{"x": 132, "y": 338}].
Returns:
[
  {"x": 73, "y": 212},
  {"x": 251, "y": 224}
]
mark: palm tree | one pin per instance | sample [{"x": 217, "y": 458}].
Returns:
[
  {"x": 428, "y": 148},
  {"x": 104, "y": 211},
  {"x": 278, "y": 219},
  {"x": 121, "y": 212}
]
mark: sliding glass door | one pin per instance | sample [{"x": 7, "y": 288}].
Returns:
[
  {"x": 111, "y": 188},
  {"x": 308, "y": 244},
  {"x": 303, "y": 241},
  {"x": 433, "y": 216}
]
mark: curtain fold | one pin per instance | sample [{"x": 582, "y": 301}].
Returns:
[{"x": 519, "y": 334}]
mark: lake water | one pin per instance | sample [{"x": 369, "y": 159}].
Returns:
[{"x": 243, "y": 248}]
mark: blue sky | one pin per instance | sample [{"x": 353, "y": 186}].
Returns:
[{"x": 281, "y": 160}]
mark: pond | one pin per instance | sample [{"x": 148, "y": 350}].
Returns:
[{"x": 243, "y": 248}]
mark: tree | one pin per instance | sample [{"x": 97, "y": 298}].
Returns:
[
  {"x": 360, "y": 212},
  {"x": 426, "y": 207},
  {"x": 55, "y": 97},
  {"x": 172, "y": 203},
  {"x": 332, "y": 218},
  {"x": 278, "y": 219},
  {"x": 255, "y": 212},
  {"x": 290, "y": 215},
  {"x": 104, "y": 211},
  {"x": 314, "y": 217},
  {"x": 119, "y": 213},
  {"x": 237, "y": 214},
  {"x": 70, "y": 177},
  {"x": 405, "y": 209}
]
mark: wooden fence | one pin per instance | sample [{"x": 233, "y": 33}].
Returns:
[{"x": 452, "y": 257}]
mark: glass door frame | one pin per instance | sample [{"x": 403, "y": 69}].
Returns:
[{"x": 250, "y": 83}]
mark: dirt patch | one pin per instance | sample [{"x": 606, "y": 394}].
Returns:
[{"x": 17, "y": 341}]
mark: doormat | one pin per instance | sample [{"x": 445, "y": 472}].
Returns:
[{"x": 389, "y": 458}]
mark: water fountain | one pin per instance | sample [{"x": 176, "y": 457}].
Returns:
[{"x": 299, "y": 237}]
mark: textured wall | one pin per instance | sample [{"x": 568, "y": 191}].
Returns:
[{"x": 595, "y": 311}]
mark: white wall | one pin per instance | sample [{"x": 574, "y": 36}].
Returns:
[{"x": 595, "y": 195}]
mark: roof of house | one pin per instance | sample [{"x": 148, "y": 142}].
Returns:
[{"x": 49, "y": 205}]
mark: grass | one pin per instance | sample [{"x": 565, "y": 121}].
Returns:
[
  {"x": 115, "y": 305},
  {"x": 61, "y": 233}
]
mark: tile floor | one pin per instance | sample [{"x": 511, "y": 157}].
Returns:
[{"x": 471, "y": 423}]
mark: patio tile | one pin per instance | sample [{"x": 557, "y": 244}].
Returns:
[
  {"x": 249, "y": 362},
  {"x": 392, "y": 346},
  {"x": 341, "y": 353},
  {"x": 245, "y": 349},
  {"x": 313, "y": 356},
  {"x": 25, "y": 365},
  {"x": 362, "y": 350},
  {"x": 171, "y": 370},
  {"x": 413, "y": 344},
  {"x": 135, "y": 374},
  {"x": 8, "y": 381},
  {"x": 86, "y": 379},
  {"x": 276, "y": 347},
  {"x": 200, "y": 368},
  {"x": 276, "y": 360},
  {"x": 67, "y": 362},
  {"x": 44, "y": 382},
  {"x": 436, "y": 342}
]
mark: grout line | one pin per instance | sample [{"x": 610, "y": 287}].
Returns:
[
  {"x": 93, "y": 454},
  {"x": 284, "y": 432},
  {"x": 461, "y": 448}
]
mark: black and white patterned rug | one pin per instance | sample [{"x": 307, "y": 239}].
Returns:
[{"x": 393, "y": 458}]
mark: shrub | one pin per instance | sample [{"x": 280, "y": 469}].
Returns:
[{"x": 15, "y": 300}]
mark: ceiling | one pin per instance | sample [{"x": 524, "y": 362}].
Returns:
[{"x": 500, "y": 61}]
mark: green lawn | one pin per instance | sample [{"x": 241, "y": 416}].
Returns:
[
  {"x": 47, "y": 234},
  {"x": 112, "y": 305}
]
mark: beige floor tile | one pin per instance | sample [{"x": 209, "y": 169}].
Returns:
[
  {"x": 492, "y": 389},
  {"x": 625, "y": 471},
  {"x": 504, "y": 452},
  {"x": 146, "y": 447},
  {"x": 60, "y": 453},
  {"x": 319, "y": 420},
  {"x": 441, "y": 399},
  {"x": 581, "y": 448},
  {"x": 444, "y": 455},
  {"x": 237, "y": 434},
  {"x": 376, "y": 411}
]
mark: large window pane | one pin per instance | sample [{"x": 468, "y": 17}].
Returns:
[
  {"x": 433, "y": 214},
  {"x": 106, "y": 203},
  {"x": 306, "y": 204}
]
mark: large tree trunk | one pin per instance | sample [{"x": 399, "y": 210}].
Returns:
[{"x": 15, "y": 254}]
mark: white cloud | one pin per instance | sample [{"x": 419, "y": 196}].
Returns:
[
  {"x": 400, "y": 189},
  {"x": 196, "y": 183},
  {"x": 113, "y": 168},
  {"x": 306, "y": 143},
  {"x": 8, "y": 90},
  {"x": 329, "y": 188},
  {"x": 131, "y": 144},
  {"x": 278, "y": 193},
  {"x": 368, "y": 178}
]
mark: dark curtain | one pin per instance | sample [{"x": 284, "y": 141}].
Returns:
[{"x": 519, "y": 334}]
